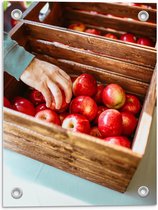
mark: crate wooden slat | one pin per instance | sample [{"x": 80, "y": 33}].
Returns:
[
  {"x": 80, "y": 154},
  {"x": 64, "y": 13},
  {"x": 58, "y": 50},
  {"x": 143, "y": 127},
  {"x": 73, "y": 68},
  {"x": 136, "y": 27},
  {"x": 32, "y": 12},
  {"x": 72, "y": 152},
  {"x": 118, "y": 10},
  {"x": 126, "y": 52},
  {"x": 54, "y": 14},
  {"x": 115, "y": 9}
]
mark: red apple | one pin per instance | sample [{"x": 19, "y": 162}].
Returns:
[
  {"x": 64, "y": 105},
  {"x": 85, "y": 85},
  {"x": 77, "y": 27},
  {"x": 118, "y": 140},
  {"x": 62, "y": 116},
  {"x": 128, "y": 38},
  {"x": 35, "y": 97},
  {"x": 84, "y": 105},
  {"x": 110, "y": 123},
  {"x": 113, "y": 96},
  {"x": 49, "y": 116},
  {"x": 93, "y": 31},
  {"x": 94, "y": 131},
  {"x": 129, "y": 123},
  {"x": 23, "y": 105},
  {"x": 98, "y": 96},
  {"x": 132, "y": 104},
  {"x": 76, "y": 122},
  {"x": 40, "y": 107},
  {"x": 6, "y": 102},
  {"x": 111, "y": 36},
  {"x": 145, "y": 41},
  {"x": 100, "y": 110}
]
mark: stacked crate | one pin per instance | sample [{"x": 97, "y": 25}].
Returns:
[{"x": 110, "y": 61}]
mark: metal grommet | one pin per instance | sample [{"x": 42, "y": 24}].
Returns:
[
  {"x": 16, "y": 14},
  {"x": 16, "y": 193},
  {"x": 143, "y": 191},
  {"x": 143, "y": 15}
]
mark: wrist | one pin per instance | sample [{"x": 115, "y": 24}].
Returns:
[{"x": 29, "y": 68}]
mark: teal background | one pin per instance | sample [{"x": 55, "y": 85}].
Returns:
[{"x": 44, "y": 185}]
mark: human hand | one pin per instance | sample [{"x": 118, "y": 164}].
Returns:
[{"x": 48, "y": 79}]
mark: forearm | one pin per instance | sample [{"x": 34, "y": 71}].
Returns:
[{"x": 16, "y": 58}]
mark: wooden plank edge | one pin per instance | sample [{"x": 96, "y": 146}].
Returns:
[
  {"x": 32, "y": 26},
  {"x": 35, "y": 7},
  {"x": 47, "y": 129},
  {"x": 143, "y": 128}
]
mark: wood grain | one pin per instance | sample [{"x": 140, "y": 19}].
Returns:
[
  {"x": 100, "y": 28},
  {"x": 82, "y": 155},
  {"x": 55, "y": 17},
  {"x": 18, "y": 33},
  {"x": 32, "y": 12},
  {"x": 121, "y": 24},
  {"x": 103, "y": 76},
  {"x": 115, "y": 9},
  {"x": 66, "y": 150},
  {"x": 58, "y": 13},
  {"x": 125, "y": 51},
  {"x": 143, "y": 128},
  {"x": 104, "y": 31},
  {"x": 58, "y": 50}
]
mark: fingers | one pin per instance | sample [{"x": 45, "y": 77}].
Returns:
[
  {"x": 55, "y": 90},
  {"x": 65, "y": 75},
  {"x": 46, "y": 93},
  {"x": 66, "y": 86},
  {"x": 48, "y": 79}
]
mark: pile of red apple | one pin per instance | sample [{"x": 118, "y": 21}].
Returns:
[
  {"x": 103, "y": 111},
  {"x": 126, "y": 37}
]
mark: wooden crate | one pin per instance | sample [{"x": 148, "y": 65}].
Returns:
[
  {"x": 76, "y": 153},
  {"x": 65, "y": 13}
]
